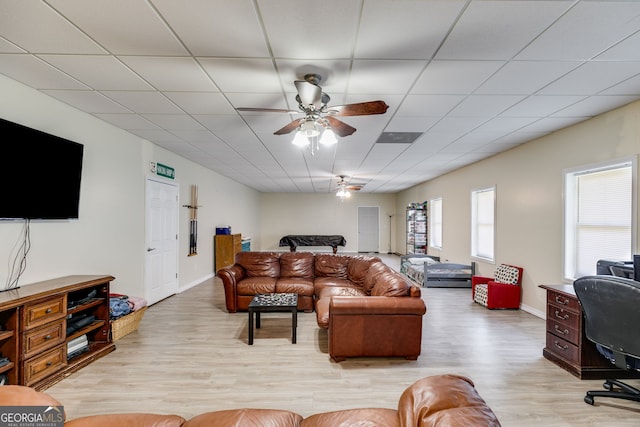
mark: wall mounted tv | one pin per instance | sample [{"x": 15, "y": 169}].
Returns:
[{"x": 41, "y": 174}]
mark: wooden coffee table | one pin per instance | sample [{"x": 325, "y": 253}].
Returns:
[{"x": 274, "y": 302}]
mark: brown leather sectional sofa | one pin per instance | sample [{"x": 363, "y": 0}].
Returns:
[
  {"x": 368, "y": 308},
  {"x": 440, "y": 400}
]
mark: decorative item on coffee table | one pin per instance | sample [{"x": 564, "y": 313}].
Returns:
[{"x": 273, "y": 302}]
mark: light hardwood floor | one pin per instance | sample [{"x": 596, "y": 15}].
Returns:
[{"x": 190, "y": 356}]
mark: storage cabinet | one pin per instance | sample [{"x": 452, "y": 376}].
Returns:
[
  {"x": 566, "y": 342},
  {"x": 38, "y": 321},
  {"x": 417, "y": 229},
  {"x": 226, "y": 248}
]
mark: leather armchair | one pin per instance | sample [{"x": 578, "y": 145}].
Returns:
[{"x": 501, "y": 291}]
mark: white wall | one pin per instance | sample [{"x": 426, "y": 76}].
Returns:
[
  {"x": 109, "y": 236},
  {"x": 528, "y": 183},
  {"x": 306, "y": 213}
]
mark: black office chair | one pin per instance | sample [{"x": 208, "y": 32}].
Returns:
[{"x": 611, "y": 307}]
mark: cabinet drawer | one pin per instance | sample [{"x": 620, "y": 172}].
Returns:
[
  {"x": 564, "y": 331},
  {"x": 44, "y": 312},
  {"x": 563, "y": 348},
  {"x": 42, "y": 366},
  {"x": 563, "y": 316},
  {"x": 37, "y": 340},
  {"x": 563, "y": 301}
]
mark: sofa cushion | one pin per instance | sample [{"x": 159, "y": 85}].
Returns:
[
  {"x": 358, "y": 267},
  {"x": 246, "y": 418},
  {"x": 296, "y": 285},
  {"x": 127, "y": 420},
  {"x": 365, "y": 417},
  {"x": 391, "y": 284},
  {"x": 323, "y": 299},
  {"x": 507, "y": 274},
  {"x": 373, "y": 273},
  {"x": 260, "y": 264},
  {"x": 327, "y": 265},
  {"x": 297, "y": 264},
  {"x": 256, "y": 285}
]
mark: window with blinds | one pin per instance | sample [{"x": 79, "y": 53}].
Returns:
[
  {"x": 598, "y": 216},
  {"x": 435, "y": 226},
  {"x": 483, "y": 223}
]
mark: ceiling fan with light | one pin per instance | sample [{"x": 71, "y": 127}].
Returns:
[
  {"x": 345, "y": 189},
  {"x": 319, "y": 121}
]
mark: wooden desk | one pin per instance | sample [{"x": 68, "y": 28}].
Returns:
[{"x": 567, "y": 344}]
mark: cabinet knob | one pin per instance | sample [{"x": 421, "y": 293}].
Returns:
[
  {"x": 48, "y": 311},
  {"x": 48, "y": 337},
  {"x": 557, "y": 314},
  {"x": 562, "y": 301},
  {"x": 49, "y": 363},
  {"x": 560, "y": 331}
]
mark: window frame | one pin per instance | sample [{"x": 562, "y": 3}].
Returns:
[
  {"x": 570, "y": 210},
  {"x": 474, "y": 224},
  {"x": 435, "y": 228}
]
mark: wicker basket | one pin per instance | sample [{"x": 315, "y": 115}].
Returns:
[{"x": 126, "y": 324}]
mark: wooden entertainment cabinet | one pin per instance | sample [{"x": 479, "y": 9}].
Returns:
[
  {"x": 567, "y": 344},
  {"x": 33, "y": 328}
]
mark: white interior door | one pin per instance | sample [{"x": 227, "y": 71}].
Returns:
[
  {"x": 161, "y": 269},
  {"x": 368, "y": 229}
]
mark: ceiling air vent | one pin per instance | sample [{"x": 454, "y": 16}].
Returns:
[{"x": 398, "y": 137}]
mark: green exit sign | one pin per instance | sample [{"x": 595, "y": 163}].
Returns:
[{"x": 166, "y": 171}]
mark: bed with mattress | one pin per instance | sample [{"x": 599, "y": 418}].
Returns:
[{"x": 429, "y": 272}]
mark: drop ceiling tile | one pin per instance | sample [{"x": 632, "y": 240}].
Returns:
[
  {"x": 540, "y": 106},
  {"x": 99, "y": 72},
  {"x": 454, "y": 77},
  {"x": 418, "y": 28},
  {"x": 484, "y": 105},
  {"x": 330, "y": 33},
  {"x": 216, "y": 27},
  {"x": 384, "y": 76},
  {"x": 127, "y": 121},
  {"x": 36, "y": 73},
  {"x": 588, "y": 28},
  {"x": 173, "y": 122},
  {"x": 428, "y": 105},
  {"x": 38, "y": 28},
  {"x": 242, "y": 74},
  {"x": 594, "y": 105},
  {"x": 86, "y": 100},
  {"x": 592, "y": 77},
  {"x": 143, "y": 102},
  {"x": 123, "y": 27},
  {"x": 525, "y": 77},
  {"x": 171, "y": 73},
  {"x": 482, "y": 32},
  {"x": 201, "y": 102}
]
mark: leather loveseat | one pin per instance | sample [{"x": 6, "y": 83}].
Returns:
[
  {"x": 439, "y": 400},
  {"x": 368, "y": 308}
]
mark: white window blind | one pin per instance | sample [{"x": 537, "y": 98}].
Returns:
[
  {"x": 598, "y": 217},
  {"x": 435, "y": 223},
  {"x": 483, "y": 223}
]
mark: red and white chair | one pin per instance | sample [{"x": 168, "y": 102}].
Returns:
[{"x": 501, "y": 291}]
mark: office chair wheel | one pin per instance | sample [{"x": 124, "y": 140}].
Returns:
[
  {"x": 588, "y": 399},
  {"x": 607, "y": 385}
]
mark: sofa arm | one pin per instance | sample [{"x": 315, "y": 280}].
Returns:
[
  {"x": 371, "y": 305},
  {"x": 478, "y": 280},
  {"x": 448, "y": 400},
  {"x": 127, "y": 420},
  {"x": 230, "y": 277}
]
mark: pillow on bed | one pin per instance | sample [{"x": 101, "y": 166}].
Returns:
[{"x": 422, "y": 260}]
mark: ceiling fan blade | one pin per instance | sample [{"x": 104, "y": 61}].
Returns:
[
  {"x": 288, "y": 128},
  {"x": 268, "y": 110},
  {"x": 340, "y": 128},
  {"x": 309, "y": 93},
  {"x": 359, "y": 109}
]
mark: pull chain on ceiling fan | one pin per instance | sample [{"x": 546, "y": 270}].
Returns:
[{"x": 319, "y": 124}]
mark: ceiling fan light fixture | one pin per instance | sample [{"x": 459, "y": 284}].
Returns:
[
  {"x": 300, "y": 140},
  {"x": 328, "y": 137},
  {"x": 343, "y": 193},
  {"x": 309, "y": 128}
]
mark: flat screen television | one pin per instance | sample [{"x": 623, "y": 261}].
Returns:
[{"x": 41, "y": 174}]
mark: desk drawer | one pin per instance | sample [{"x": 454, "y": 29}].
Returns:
[
  {"x": 564, "y": 331},
  {"x": 563, "y": 348},
  {"x": 42, "y": 366},
  {"x": 38, "y": 340},
  {"x": 563, "y": 316},
  {"x": 562, "y": 301},
  {"x": 44, "y": 312}
]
